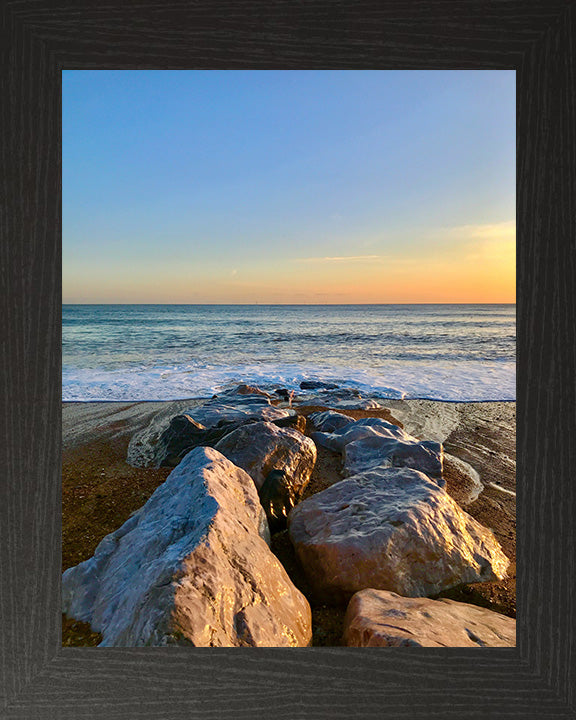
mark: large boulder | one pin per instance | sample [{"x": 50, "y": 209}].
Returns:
[
  {"x": 169, "y": 436},
  {"x": 191, "y": 567},
  {"x": 390, "y": 529},
  {"x": 379, "y": 618},
  {"x": 261, "y": 447},
  {"x": 373, "y": 442}
]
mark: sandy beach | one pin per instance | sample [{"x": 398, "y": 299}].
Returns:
[{"x": 100, "y": 489}]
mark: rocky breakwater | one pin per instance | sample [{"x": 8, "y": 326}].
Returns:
[
  {"x": 191, "y": 567},
  {"x": 264, "y": 440},
  {"x": 390, "y": 525}
]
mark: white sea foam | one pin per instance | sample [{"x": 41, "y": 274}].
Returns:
[{"x": 453, "y": 381}]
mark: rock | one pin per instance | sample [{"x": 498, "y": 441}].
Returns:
[
  {"x": 368, "y": 453},
  {"x": 277, "y": 497},
  {"x": 142, "y": 446},
  {"x": 366, "y": 428},
  {"x": 297, "y": 422},
  {"x": 378, "y": 618},
  {"x": 390, "y": 529},
  {"x": 329, "y": 421},
  {"x": 217, "y": 412},
  {"x": 373, "y": 442},
  {"x": 462, "y": 481},
  {"x": 183, "y": 435},
  {"x": 190, "y": 568},
  {"x": 244, "y": 389},
  {"x": 317, "y": 384},
  {"x": 261, "y": 447},
  {"x": 339, "y": 397}
]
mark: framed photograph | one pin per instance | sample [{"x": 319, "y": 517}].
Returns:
[{"x": 280, "y": 298}]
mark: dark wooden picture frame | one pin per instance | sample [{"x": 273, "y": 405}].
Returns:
[{"x": 40, "y": 679}]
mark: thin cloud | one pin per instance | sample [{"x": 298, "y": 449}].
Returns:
[
  {"x": 351, "y": 258},
  {"x": 497, "y": 231}
]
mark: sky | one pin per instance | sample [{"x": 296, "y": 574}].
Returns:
[{"x": 288, "y": 186}]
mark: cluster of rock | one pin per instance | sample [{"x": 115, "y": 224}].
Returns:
[
  {"x": 374, "y": 442},
  {"x": 193, "y": 565},
  {"x": 390, "y": 527}
]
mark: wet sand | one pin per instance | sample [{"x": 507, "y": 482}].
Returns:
[{"x": 100, "y": 489}]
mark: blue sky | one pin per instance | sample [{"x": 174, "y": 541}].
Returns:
[{"x": 288, "y": 186}]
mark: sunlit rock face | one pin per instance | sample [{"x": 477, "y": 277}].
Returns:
[
  {"x": 191, "y": 567},
  {"x": 378, "y": 618},
  {"x": 390, "y": 529},
  {"x": 373, "y": 442},
  {"x": 261, "y": 447}
]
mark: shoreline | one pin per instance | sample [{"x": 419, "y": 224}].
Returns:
[{"x": 100, "y": 489}]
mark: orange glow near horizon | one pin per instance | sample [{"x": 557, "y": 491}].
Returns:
[{"x": 472, "y": 264}]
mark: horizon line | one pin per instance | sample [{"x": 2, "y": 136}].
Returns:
[{"x": 256, "y": 304}]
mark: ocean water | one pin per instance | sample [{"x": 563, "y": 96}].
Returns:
[{"x": 163, "y": 352}]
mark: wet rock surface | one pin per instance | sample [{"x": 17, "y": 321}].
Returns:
[
  {"x": 191, "y": 567},
  {"x": 378, "y": 618},
  {"x": 317, "y": 385}
]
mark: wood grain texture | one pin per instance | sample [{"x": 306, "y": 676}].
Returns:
[{"x": 42, "y": 680}]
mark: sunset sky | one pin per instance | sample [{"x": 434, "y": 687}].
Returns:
[{"x": 288, "y": 186}]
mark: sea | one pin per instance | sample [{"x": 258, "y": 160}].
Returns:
[{"x": 171, "y": 352}]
